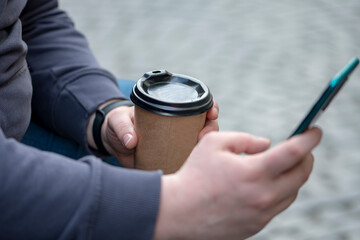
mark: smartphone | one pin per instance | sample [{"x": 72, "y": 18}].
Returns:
[{"x": 326, "y": 97}]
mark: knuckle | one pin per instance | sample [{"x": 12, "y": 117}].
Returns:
[
  {"x": 305, "y": 177},
  {"x": 264, "y": 220},
  {"x": 295, "y": 151},
  {"x": 311, "y": 157},
  {"x": 306, "y": 174},
  {"x": 254, "y": 228},
  {"x": 258, "y": 222},
  {"x": 307, "y": 169},
  {"x": 265, "y": 201}
]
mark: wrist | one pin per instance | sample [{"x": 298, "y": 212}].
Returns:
[
  {"x": 170, "y": 221},
  {"x": 96, "y": 125}
]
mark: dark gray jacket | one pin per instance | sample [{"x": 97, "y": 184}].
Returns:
[{"x": 44, "y": 195}]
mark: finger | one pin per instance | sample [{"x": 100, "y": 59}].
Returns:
[
  {"x": 213, "y": 113},
  {"x": 288, "y": 154},
  {"x": 279, "y": 207},
  {"x": 210, "y": 126},
  {"x": 120, "y": 120},
  {"x": 285, "y": 188},
  {"x": 126, "y": 161},
  {"x": 127, "y": 135},
  {"x": 290, "y": 182},
  {"x": 236, "y": 142}
]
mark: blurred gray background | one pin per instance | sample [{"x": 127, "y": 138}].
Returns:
[{"x": 265, "y": 62}]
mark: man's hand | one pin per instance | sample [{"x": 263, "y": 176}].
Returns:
[
  {"x": 219, "y": 194},
  {"x": 120, "y": 139},
  {"x": 119, "y": 136}
]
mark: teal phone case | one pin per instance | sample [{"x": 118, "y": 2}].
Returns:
[{"x": 327, "y": 96}]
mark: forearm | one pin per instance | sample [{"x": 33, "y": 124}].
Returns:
[
  {"x": 48, "y": 196},
  {"x": 68, "y": 82}
]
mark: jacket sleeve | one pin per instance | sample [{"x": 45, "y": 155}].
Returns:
[
  {"x": 68, "y": 82},
  {"x": 46, "y": 196}
]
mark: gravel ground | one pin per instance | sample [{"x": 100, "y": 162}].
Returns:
[{"x": 265, "y": 62}]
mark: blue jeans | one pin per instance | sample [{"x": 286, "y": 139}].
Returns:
[{"x": 41, "y": 138}]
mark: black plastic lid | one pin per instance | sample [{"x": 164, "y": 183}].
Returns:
[{"x": 170, "y": 94}]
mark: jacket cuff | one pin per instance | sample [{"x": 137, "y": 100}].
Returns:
[
  {"x": 129, "y": 213},
  {"x": 78, "y": 100}
]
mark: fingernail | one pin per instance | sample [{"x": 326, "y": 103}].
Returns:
[{"x": 127, "y": 138}]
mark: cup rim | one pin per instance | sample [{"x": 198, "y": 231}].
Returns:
[{"x": 145, "y": 100}]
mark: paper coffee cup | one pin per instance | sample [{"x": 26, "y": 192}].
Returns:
[{"x": 170, "y": 111}]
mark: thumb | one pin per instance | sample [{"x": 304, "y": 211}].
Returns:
[
  {"x": 126, "y": 133},
  {"x": 237, "y": 142},
  {"x": 128, "y": 139},
  {"x": 123, "y": 127}
]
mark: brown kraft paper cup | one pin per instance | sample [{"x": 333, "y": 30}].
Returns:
[{"x": 170, "y": 111}]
